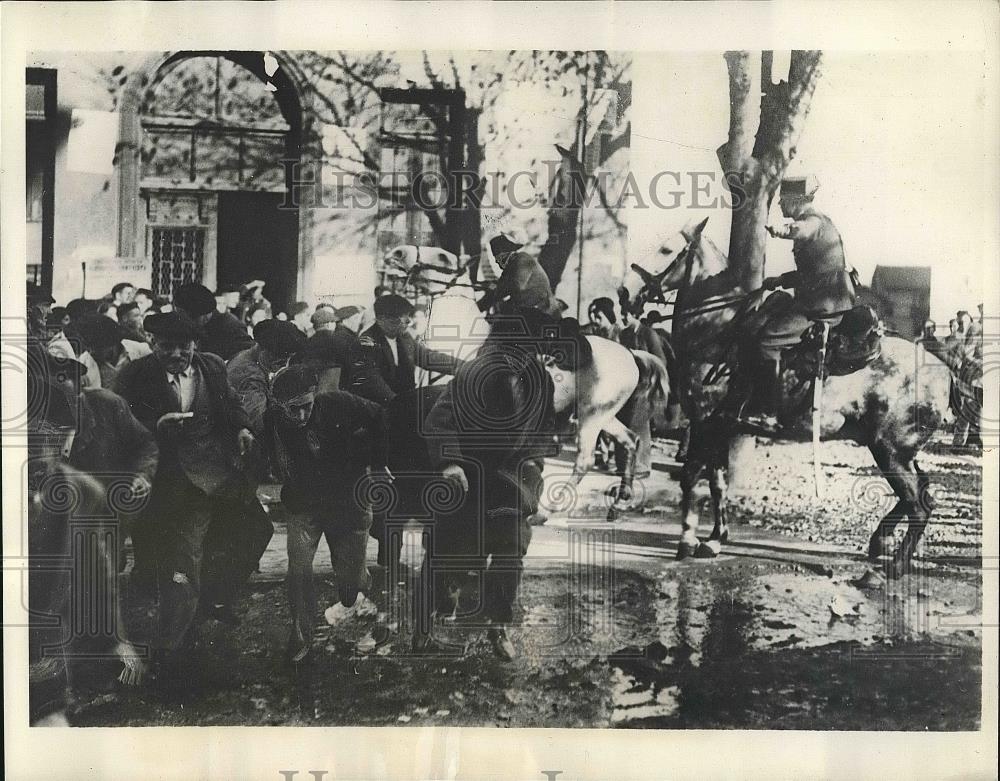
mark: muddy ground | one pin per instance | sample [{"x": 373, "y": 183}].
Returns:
[{"x": 790, "y": 628}]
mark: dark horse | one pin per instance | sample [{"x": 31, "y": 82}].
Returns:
[{"x": 892, "y": 406}]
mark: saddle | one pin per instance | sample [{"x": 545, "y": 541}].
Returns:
[{"x": 851, "y": 345}]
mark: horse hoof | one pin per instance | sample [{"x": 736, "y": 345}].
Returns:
[
  {"x": 706, "y": 551},
  {"x": 612, "y": 514},
  {"x": 687, "y": 550},
  {"x": 876, "y": 548}
]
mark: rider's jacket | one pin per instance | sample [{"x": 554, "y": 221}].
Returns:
[
  {"x": 821, "y": 280},
  {"x": 522, "y": 285}
]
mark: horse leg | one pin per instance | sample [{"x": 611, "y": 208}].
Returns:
[
  {"x": 688, "y": 545},
  {"x": 589, "y": 428},
  {"x": 882, "y": 533},
  {"x": 720, "y": 532},
  {"x": 910, "y": 485},
  {"x": 627, "y": 440},
  {"x": 921, "y": 512}
]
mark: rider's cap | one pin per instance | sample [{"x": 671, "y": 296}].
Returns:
[
  {"x": 504, "y": 244},
  {"x": 799, "y": 186}
]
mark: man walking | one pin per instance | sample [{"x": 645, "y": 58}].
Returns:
[
  {"x": 182, "y": 396},
  {"x": 322, "y": 445}
]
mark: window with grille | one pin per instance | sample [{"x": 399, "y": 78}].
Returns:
[{"x": 178, "y": 258}]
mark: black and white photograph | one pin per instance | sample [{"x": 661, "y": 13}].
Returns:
[{"x": 393, "y": 383}]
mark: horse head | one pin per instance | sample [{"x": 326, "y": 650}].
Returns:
[
  {"x": 648, "y": 284},
  {"x": 428, "y": 267}
]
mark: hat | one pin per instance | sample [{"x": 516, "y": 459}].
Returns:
[
  {"x": 194, "y": 299},
  {"x": 80, "y": 307},
  {"x": 281, "y": 338},
  {"x": 504, "y": 244},
  {"x": 392, "y": 305},
  {"x": 38, "y": 296},
  {"x": 799, "y": 186},
  {"x": 98, "y": 331},
  {"x": 171, "y": 325},
  {"x": 323, "y": 315},
  {"x": 293, "y": 381}
]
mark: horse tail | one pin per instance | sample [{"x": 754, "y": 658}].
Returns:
[{"x": 653, "y": 376}]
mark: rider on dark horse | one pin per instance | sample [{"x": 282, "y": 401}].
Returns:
[
  {"x": 523, "y": 283},
  {"x": 824, "y": 291}
]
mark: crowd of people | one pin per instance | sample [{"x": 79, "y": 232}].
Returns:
[
  {"x": 200, "y": 399},
  {"x": 195, "y": 401},
  {"x": 962, "y": 351}
]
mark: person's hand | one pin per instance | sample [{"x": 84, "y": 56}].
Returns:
[
  {"x": 772, "y": 230},
  {"x": 244, "y": 441},
  {"x": 455, "y": 474},
  {"x": 171, "y": 421}
]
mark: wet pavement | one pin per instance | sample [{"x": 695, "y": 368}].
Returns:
[{"x": 788, "y": 628}]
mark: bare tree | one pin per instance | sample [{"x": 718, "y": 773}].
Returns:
[{"x": 755, "y": 163}]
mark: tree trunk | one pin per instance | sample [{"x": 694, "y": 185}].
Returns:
[{"x": 754, "y": 164}]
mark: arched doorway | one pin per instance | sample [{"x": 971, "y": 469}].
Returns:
[{"x": 202, "y": 175}]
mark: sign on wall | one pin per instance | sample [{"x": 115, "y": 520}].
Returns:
[{"x": 103, "y": 273}]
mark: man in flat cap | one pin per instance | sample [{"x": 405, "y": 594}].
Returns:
[
  {"x": 824, "y": 287},
  {"x": 522, "y": 284},
  {"x": 250, "y": 371},
  {"x": 221, "y": 332},
  {"x": 322, "y": 445},
  {"x": 386, "y": 357},
  {"x": 183, "y": 397},
  {"x": 328, "y": 351}
]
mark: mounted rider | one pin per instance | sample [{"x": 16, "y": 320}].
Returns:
[
  {"x": 523, "y": 283},
  {"x": 825, "y": 290}
]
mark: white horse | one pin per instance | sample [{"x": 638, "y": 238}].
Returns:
[
  {"x": 600, "y": 389},
  {"x": 454, "y": 323}
]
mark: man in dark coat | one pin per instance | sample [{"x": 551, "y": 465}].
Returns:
[
  {"x": 183, "y": 397},
  {"x": 333, "y": 343},
  {"x": 523, "y": 282},
  {"x": 322, "y": 445},
  {"x": 387, "y": 356},
  {"x": 221, "y": 332},
  {"x": 487, "y": 436},
  {"x": 824, "y": 290}
]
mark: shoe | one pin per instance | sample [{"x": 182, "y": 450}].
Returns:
[{"x": 502, "y": 646}]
